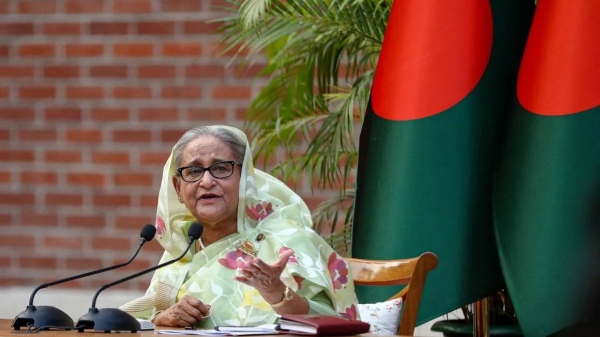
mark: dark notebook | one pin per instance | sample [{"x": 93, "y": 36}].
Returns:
[{"x": 321, "y": 325}]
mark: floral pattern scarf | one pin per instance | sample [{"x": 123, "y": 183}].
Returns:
[{"x": 271, "y": 219}]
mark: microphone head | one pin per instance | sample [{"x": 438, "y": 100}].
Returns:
[
  {"x": 195, "y": 231},
  {"x": 148, "y": 232}
]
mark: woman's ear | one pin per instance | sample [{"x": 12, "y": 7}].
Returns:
[{"x": 176, "y": 184}]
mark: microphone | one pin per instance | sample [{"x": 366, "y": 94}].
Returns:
[
  {"x": 46, "y": 317},
  {"x": 113, "y": 319}
]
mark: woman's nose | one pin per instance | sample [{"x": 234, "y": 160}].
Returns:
[{"x": 207, "y": 179}]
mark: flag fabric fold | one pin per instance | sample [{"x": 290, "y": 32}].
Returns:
[
  {"x": 430, "y": 141},
  {"x": 547, "y": 188}
]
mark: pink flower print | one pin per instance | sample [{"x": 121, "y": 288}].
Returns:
[
  {"x": 234, "y": 259},
  {"x": 338, "y": 271},
  {"x": 350, "y": 312},
  {"x": 298, "y": 280},
  {"x": 292, "y": 259},
  {"x": 260, "y": 211},
  {"x": 160, "y": 225}
]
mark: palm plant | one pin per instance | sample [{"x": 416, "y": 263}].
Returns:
[{"x": 321, "y": 56}]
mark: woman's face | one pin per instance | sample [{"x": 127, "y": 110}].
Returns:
[{"x": 212, "y": 201}]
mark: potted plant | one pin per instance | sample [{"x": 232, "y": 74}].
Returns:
[{"x": 501, "y": 318}]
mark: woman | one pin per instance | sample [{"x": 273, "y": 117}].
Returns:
[{"x": 258, "y": 256}]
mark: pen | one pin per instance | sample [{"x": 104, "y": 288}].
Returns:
[{"x": 190, "y": 327}]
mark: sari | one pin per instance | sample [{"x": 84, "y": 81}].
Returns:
[{"x": 271, "y": 219}]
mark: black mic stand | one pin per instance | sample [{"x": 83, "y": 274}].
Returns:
[
  {"x": 113, "y": 319},
  {"x": 46, "y": 317}
]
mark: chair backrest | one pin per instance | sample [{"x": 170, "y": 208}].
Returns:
[{"x": 411, "y": 271}]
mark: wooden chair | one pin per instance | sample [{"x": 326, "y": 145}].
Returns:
[{"x": 412, "y": 272}]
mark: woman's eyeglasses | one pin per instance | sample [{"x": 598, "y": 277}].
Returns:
[{"x": 218, "y": 170}]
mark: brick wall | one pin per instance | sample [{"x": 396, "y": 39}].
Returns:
[{"x": 93, "y": 94}]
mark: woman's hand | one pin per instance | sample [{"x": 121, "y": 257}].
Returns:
[
  {"x": 266, "y": 278},
  {"x": 186, "y": 312}
]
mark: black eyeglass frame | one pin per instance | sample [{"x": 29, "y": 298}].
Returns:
[{"x": 204, "y": 169}]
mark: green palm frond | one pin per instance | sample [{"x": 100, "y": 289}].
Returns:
[{"x": 321, "y": 56}]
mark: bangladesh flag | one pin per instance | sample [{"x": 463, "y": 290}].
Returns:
[
  {"x": 429, "y": 142},
  {"x": 547, "y": 192}
]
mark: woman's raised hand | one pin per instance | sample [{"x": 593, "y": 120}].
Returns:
[
  {"x": 186, "y": 312},
  {"x": 266, "y": 278}
]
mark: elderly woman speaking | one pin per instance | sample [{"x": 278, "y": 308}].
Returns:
[{"x": 258, "y": 256}]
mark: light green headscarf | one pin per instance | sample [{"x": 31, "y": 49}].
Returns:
[{"x": 271, "y": 219}]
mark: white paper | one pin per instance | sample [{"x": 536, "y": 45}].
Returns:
[{"x": 265, "y": 329}]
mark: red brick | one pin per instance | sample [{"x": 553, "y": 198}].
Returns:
[
  {"x": 171, "y": 136},
  {"x": 80, "y": 92},
  {"x": 84, "y": 263},
  {"x": 108, "y": 71},
  {"x": 112, "y": 200},
  {"x": 219, "y": 5},
  {"x": 180, "y": 5},
  {"x": 5, "y": 177},
  {"x": 62, "y": 114},
  {"x": 149, "y": 200},
  {"x": 158, "y": 114},
  {"x": 221, "y": 50},
  {"x": 109, "y": 28},
  {"x": 13, "y": 280},
  {"x": 36, "y": 50},
  {"x": 38, "y": 134},
  {"x": 83, "y": 50},
  {"x": 17, "y": 155},
  {"x": 13, "y": 71},
  {"x": 4, "y": 134},
  {"x": 11, "y": 29},
  {"x": 63, "y": 242},
  {"x": 205, "y": 71},
  {"x": 17, "y": 114},
  {"x": 62, "y": 156},
  {"x": 157, "y": 71},
  {"x": 37, "y": 262},
  {"x": 201, "y": 27},
  {"x": 153, "y": 158},
  {"x": 37, "y": 92},
  {"x": 4, "y": 7},
  {"x": 133, "y": 179},
  {"x": 84, "y": 6},
  {"x": 231, "y": 92},
  {"x": 135, "y": 265},
  {"x": 9, "y": 240},
  {"x": 84, "y": 135},
  {"x": 215, "y": 114},
  {"x": 110, "y": 157},
  {"x": 110, "y": 114},
  {"x": 16, "y": 199},
  {"x": 132, "y": 136},
  {"x": 4, "y": 92},
  {"x": 132, "y": 222},
  {"x": 132, "y": 6},
  {"x": 61, "y": 71},
  {"x": 253, "y": 70},
  {"x": 156, "y": 28},
  {"x": 4, "y": 50},
  {"x": 132, "y": 92},
  {"x": 4, "y": 261},
  {"x": 133, "y": 50},
  {"x": 91, "y": 221},
  {"x": 53, "y": 199},
  {"x": 37, "y": 6},
  {"x": 32, "y": 177},
  {"x": 110, "y": 243},
  {"x": 187, "y": 92},
  {"x": 182, "y": 49},
  {"x": 88, "y": 179},
  {"x": 39, "y": 219},
  {"x": 154, "y": 246},
  {"x": 62, "y": 28}
]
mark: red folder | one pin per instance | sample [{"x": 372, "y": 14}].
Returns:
[{"x": 323, "y": 325}]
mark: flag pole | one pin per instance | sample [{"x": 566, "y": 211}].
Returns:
[{"x": 480, "y": 318}]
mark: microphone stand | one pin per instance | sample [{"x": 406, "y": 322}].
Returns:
[
  {"x": 113, "y": 319},
  {"x": 46, "y": 317}
]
